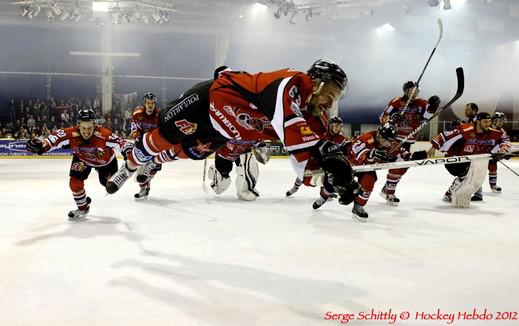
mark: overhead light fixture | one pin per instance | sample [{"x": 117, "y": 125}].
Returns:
[
  {"x": 100, "y": 6},
  {"x": 64, "y": 16},
  {"x": 433, "y": 3},
  {"x": 35, "y": 12},
  {"x": 447, "y": 5},
  {"x": 488, "y": 2}
]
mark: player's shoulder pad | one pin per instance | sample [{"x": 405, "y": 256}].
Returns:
[
  {"x": 395, "y": 100},
  {"x": 102, "y": 132}
]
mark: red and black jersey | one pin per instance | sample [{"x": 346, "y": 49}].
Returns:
[
  {"x": 96, "y": 151},
  {"x": 465, "y": 140},
  {"x": 414, "y": 114},
  {"x": 234, "y": 148},
  {"x": 361, "y": 148},
  {"x": 142, "y": 122}
]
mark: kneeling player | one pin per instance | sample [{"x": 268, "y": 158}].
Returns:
[
  {"x": 246, "y": 155},
  {"x": 467, "y": 139},
  {"x": 92, "y": 147},
  {"x": 369, "y": 148}
]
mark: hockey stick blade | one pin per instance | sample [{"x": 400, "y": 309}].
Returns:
[{"x": 459, "y": 91}]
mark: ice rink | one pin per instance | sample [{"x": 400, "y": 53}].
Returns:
[{"x": 185, "y": 258}]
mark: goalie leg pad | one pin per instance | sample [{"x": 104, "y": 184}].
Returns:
[
  {"x": 219, "y": 183},
  {"x": 462, "y": 191},
  {"x": 247, "y": 173}
]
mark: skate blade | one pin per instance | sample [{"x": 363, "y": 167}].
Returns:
[{"x": 358, "y": 218}]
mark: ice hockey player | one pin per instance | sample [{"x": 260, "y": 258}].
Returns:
[
  {"x": 144, "y": 119},
  {"x": 498, "y": 122},
  {"x": 406, "y": 120},
  {"x": 92, "y": 147},
  {"x": 242, "y": 106},
  {"x": 246, "y": 155},
  {"x": 370, "y": 148},
  {"x": 330, "y": 129},
  {"x": 468, "y": 139}
]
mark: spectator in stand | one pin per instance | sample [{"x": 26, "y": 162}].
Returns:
[{"x": 65, "y": 118}]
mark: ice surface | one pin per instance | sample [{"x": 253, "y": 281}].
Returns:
[{"x": 183, "y": 258}]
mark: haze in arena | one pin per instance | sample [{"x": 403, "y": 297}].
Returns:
[{"x": 279, "y": 162}]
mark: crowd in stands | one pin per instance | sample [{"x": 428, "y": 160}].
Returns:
[{"x": 39, "y": 117}]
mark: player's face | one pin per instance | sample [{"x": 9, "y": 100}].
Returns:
[
  {"x": 149, "y": 105},
  {"x": 384, "y": 143},
  {"x": 485, "y": 124},
  {"x": 498, "y": 123},
  {"x": 325, "y": 97},
  {"x": 469, "y": 113},
  {"x": 409, "y": 91},
  {"x": 335, "y": 128},
  {"x": 86, "y": 129}
]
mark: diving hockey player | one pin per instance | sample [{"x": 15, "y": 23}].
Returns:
[{"x": 242, "y": 106}]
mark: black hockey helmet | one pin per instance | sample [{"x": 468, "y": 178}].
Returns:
[
  {"x": 408, "y": 85},
  {"x": 483, "y": 115},
  {"x": 86, "y": 115},
  {"x": 335, "y": 120},
  {"x": 387, "y": 131},
  {"x": 327, "y": 70},
  {"x": 498, "y": 116},
  {"x": 149, "y": 96}
]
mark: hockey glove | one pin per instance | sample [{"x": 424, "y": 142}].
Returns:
[
  {"x": 35, "y": 146},
  {"x": 334, "y": 163},
  {"x": 434, "y": 103},
  {"x": 262, "y": 153},
  {"x": 381, "y": 155},
  {"x": 127, "y": 148},
  {"x": 455, "y": 124}
]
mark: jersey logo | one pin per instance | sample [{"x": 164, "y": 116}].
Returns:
[
  {"x": 305, "y": 130},
  {"x": 295, "y": 95},
  {"x": 186, "y": 127},
  {"x": 78, "y": 167}
]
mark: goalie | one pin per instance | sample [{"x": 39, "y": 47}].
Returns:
[
  {"x": 246, "y": 155},
  {"x": 467, "y": 139}
]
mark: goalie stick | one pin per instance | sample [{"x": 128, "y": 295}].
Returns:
[
  {"x": 431, "y": 161},
  {"x": 459, "y": 91}
]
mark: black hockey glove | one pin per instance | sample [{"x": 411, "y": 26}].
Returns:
[
  {"x": 349, "y": 193},
  {"x": 434, "y": 103},
  {"x": 334, "y": 163},
  {"x": 382, "y": 156},
  {"x": 396, "y": 118},
  {"x": 35, "y": 146},
  {"x": 418, "y": 155},
  {"x": 127, "y": 148}
]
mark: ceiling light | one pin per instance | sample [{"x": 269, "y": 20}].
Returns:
[
  {"x": 433, "y": 3},
  {"x": 385, "y": 28},
  {"x": 100, "y": 6}
]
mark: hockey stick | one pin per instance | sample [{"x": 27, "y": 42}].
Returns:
[
  {"x": 440, "y": 27},
  {"x": 431, "y": 161},
  {"x": 459, "y": 91},
  {"x": 204, "y": 186},
  {"x": 509, "y": 168}
]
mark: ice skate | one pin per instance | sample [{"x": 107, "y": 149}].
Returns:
[
  {"x": 143, "y": 193},
  {"x": 391, "y": 199},
  {"x": 78, "y": 214},
  {"x": 359, "y": 213}
]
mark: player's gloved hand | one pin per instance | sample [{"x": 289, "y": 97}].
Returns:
[
  {"x": 261, "y": 152},
  {"x": 381, "y": 155},
  {"x": 419, "y": 155},
  {"x": 434, "y": 103},
  {"x": 348, "y": 194},
  {"x": 127, "y": 148},
  {"x": 35, "y": 146},
  {"x": 334, "y": 163},
  {"x": 396, "y": 118}
]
